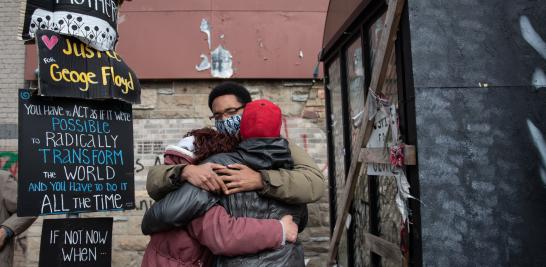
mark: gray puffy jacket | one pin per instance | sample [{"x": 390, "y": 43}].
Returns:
[{"x": 188, "y": 202}]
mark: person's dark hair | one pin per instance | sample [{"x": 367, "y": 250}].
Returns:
[
  {"x": 209, "y": 142},
  {"x": 230, "y": 88}
]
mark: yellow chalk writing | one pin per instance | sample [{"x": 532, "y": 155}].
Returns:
[{"x": 72, "y": 76}]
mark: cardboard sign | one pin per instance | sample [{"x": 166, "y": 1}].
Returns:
[
  {"x": 74, "y": 156},
  {"x": 93, "y": 22},
  {"x": 69, "y": 68},
  {"x": 378, "y": 139},
  {"x": 76, "y": 242},
  {"x": 381, "y": 169}
]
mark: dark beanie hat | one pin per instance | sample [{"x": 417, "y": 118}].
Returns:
[{"x": 230, "y": 88}]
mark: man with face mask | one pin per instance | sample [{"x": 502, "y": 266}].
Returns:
[
  {"x": 302, "y": 184},
  {"x": 260, "y": 147}
]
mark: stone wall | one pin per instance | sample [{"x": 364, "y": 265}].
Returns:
[
  {"x": 170, "y": 109},
  {"x": 12, "y": 59}
]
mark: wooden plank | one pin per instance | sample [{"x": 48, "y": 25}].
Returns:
[
  {"x": 410, "y": 155},
  {"x": 386, "y": 44},
  {"x": 384, "y": 248},
  {"x": 359, "y": 168},
  {"x": 382, "y": 155}
]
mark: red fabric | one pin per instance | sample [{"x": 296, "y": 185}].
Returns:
[
  {"x": 175, "y": 248},
  {"x": 217, "y": 231},
  {"x": 230, "y": 236},
  {"x": 173, "y": 157},
  {"x": 397, "y": 155},
  {"x": 261, "y": 118}
]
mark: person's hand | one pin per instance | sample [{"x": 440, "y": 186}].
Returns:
[
  {"x": 290, "y": 229},
  {"x": 3, "y": 237},
  {"x": 204, "y": 177},
  {"x": 240, "y": 178}
]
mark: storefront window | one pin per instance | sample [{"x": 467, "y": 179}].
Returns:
[
  {"x": 355, "y": 82},
  {"x": 336, "y": 100},
  {"x": 357, "y": 100},
  {"x": 334, "y": 86},
  {"x": 374, "y": 35}
]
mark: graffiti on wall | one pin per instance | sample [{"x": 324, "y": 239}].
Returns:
[
  {"x": 304, "y": 140},
  {"x": 9, "y": 161},
  {"x": 139, "y": 166},
  {"x": 307, "y": 140},
  {"x": 144, "y": 204}
]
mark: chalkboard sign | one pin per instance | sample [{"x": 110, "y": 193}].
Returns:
[
  {"x": 70, "y": 68},
  {"x": 76, "y": 242},
  {"x": 93, "y": 22},
  {"x": 74, "y": 155}
]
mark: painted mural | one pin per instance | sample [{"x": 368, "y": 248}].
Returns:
[{"x": 9, "y": 161}]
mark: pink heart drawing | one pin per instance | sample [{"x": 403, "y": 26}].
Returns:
[{"x": 50, "y": 42}]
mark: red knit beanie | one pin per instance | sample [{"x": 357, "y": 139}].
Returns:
[{"x": 261, "y": 118}]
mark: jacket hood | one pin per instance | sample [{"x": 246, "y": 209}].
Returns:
[{"x": 266, "y": 153}]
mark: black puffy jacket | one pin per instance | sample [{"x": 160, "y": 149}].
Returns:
[{"x": 188, "y": 202}]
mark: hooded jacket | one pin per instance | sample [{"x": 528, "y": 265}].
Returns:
[{"x": 181, "y": 206}]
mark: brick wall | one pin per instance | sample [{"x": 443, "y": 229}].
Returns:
[
  {"x": 170, "y": 109},
  {"x": 12, "y": 56}
]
